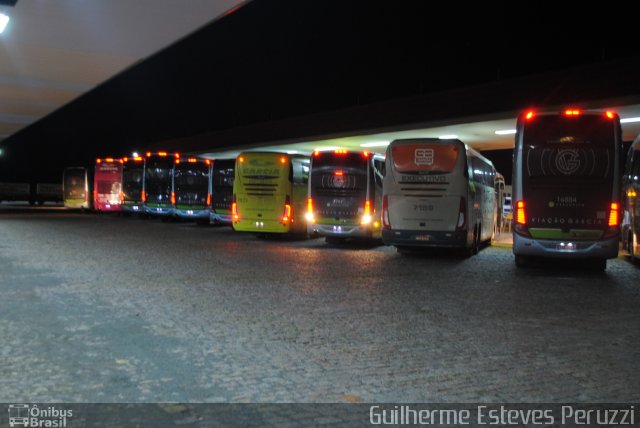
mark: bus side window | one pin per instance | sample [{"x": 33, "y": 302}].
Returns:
[
  {"x": 300, "y": 171},
  {"x": 379, "y": 170}
]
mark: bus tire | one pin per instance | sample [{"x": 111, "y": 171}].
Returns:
[{"x": 521, "y": 261}]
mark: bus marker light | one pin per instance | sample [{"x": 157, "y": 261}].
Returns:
[
  {"x": 572, "y": 112},
  {"x": 137, "y": 159},
  {"x": 208, "y": 199},
  {"x": 109, "y": 160},
  {"x": 162, "y": 154},
  {"x": 173, "y": 198},
  {"x": 144, "y": 196},
  {"x": 207, "y": 161},
  {"x": 339, "y": 173},
  {"x": 283, "y": 160},
  {"x": 529, "y": 115},
  {"x": 365, "y": 154},
  {"x": 316, "y": 153},
  {"x": 98, "y": 160},
  {"x": 610, "y": 114},
  {"x": 521, "y": 217},
  {"x": 148, "y": 154},
  {"x": 192, "y": 160},
  {"x": 241, "y": 159},
  {"x": 234, "y": 208}
]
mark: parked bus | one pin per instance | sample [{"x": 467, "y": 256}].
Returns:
[
  {"x": 345, "y": 195},
  {"x": 631, "y": 202},
  {"x": 270, "y": 193},
  {"x": 14, "y": 192},
  {"x": 158, "y": 194},
  {"x": 77, "y": 187},
  {"x": 48, "y": 192},
  {"x": 191, "y": 188},
  {"x": 132, "y": 195},
  {"x": 107, "y": 184},
  {"x": 566, "y": 184},
  {"x": 222, "y": 176},
  {"x": 438, "y": 193}
]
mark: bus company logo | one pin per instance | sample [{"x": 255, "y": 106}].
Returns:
[
  {"x": 567, "y": 161},
  {"x": 424, "y": 156},
  {"x": 26, "y": 415}
]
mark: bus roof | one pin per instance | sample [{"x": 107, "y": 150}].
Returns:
[{"x": 430, "y": 140}]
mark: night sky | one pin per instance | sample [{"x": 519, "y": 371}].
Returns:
[{"x": 272, "y": 60}]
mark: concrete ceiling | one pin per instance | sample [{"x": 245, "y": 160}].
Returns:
[
  {"x": 480, "y": 134},
  {"x": 53, "y": 51}
]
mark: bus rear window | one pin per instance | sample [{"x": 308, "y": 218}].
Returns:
[
  {"x": 425, "y": 158},
  {"x": 555, "y": 147}
]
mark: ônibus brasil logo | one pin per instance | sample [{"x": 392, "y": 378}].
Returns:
[{"x": 30, "y": 415}]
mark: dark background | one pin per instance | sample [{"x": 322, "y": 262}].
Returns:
[{"x": 273, "y": 61}]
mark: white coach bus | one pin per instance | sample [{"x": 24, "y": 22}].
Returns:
[{"x": 438, "y": 193}]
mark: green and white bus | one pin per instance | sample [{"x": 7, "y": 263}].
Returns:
[
  {"x": 438, "y": 193},
  {"x": 566, "y": 182}
]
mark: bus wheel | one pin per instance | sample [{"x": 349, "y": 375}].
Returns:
[{"x": 521, "y": 261}]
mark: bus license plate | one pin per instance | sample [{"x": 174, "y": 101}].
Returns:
[{"x": 423, "y": 238}]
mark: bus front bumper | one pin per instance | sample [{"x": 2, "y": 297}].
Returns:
[
  {"x": 423, "y": 238},
  {"x": 525, "y": 246},
  {"x": 133, "y": 208},
  {"x": 159, "y": 211},
  {"x": 195, "y": 213}
]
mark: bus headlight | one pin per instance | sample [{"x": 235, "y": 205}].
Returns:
[
  {"x": 366, "y": 219},
  {"x": 310, "y": 217}
]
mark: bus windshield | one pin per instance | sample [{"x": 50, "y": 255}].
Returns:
[
  {"x": 74, "y": 183},
  {"x": 132, "y": 181},
  {"x": 339, "y": 183},
  {"x": 191, "y": 182},
  {"x": 158, "y": 180}
]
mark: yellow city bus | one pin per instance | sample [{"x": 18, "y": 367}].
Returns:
[{"x": 270, "y": 193}]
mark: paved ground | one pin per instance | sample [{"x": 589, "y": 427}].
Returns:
[{"x": 106, "y": 309}]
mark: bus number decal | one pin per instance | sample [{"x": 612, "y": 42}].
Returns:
[{"x": 419, "y": 207}]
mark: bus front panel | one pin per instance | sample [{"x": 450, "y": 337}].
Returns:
[
  {"x": 191, "y": 188},
  {"x": 132, "y": 185},
  {"x": 75, "y": 188},
  {"x": 107, "y": 183},
  {"x": 158, "y": 185}
]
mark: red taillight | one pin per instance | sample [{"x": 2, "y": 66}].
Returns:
[
  {"x": 614, "y": 214},
  {"x": 286, "y": 216},
  {"x": 208, "y": 199},
  {"x": 521, "y": 217},
  {"x": 339, "y": 173},
  {"x": 173, "y": 198},
  {"x": 572, "y": 112},
  {"x": 385, "y": 213},
  {"x": 143, "y": 196},
  {"x": 610, "y": 115},
  {"x": 529, "y": 115},
  {"x": 234, "y": 208}
]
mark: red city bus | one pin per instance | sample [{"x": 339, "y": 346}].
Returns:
[{"x": 107, "y": 184}]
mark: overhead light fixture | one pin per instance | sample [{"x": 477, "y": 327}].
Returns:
[
  {"x": 506, "y": 132},
  {"x": 4, "y": 20},
  {"x": 292, "y": 152},
  {"x": 448, "y": 137},
  {"x": 630, "y": 120},
  {"x": 375, "y": 144},
  {"x": 323, "y": 149}
]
